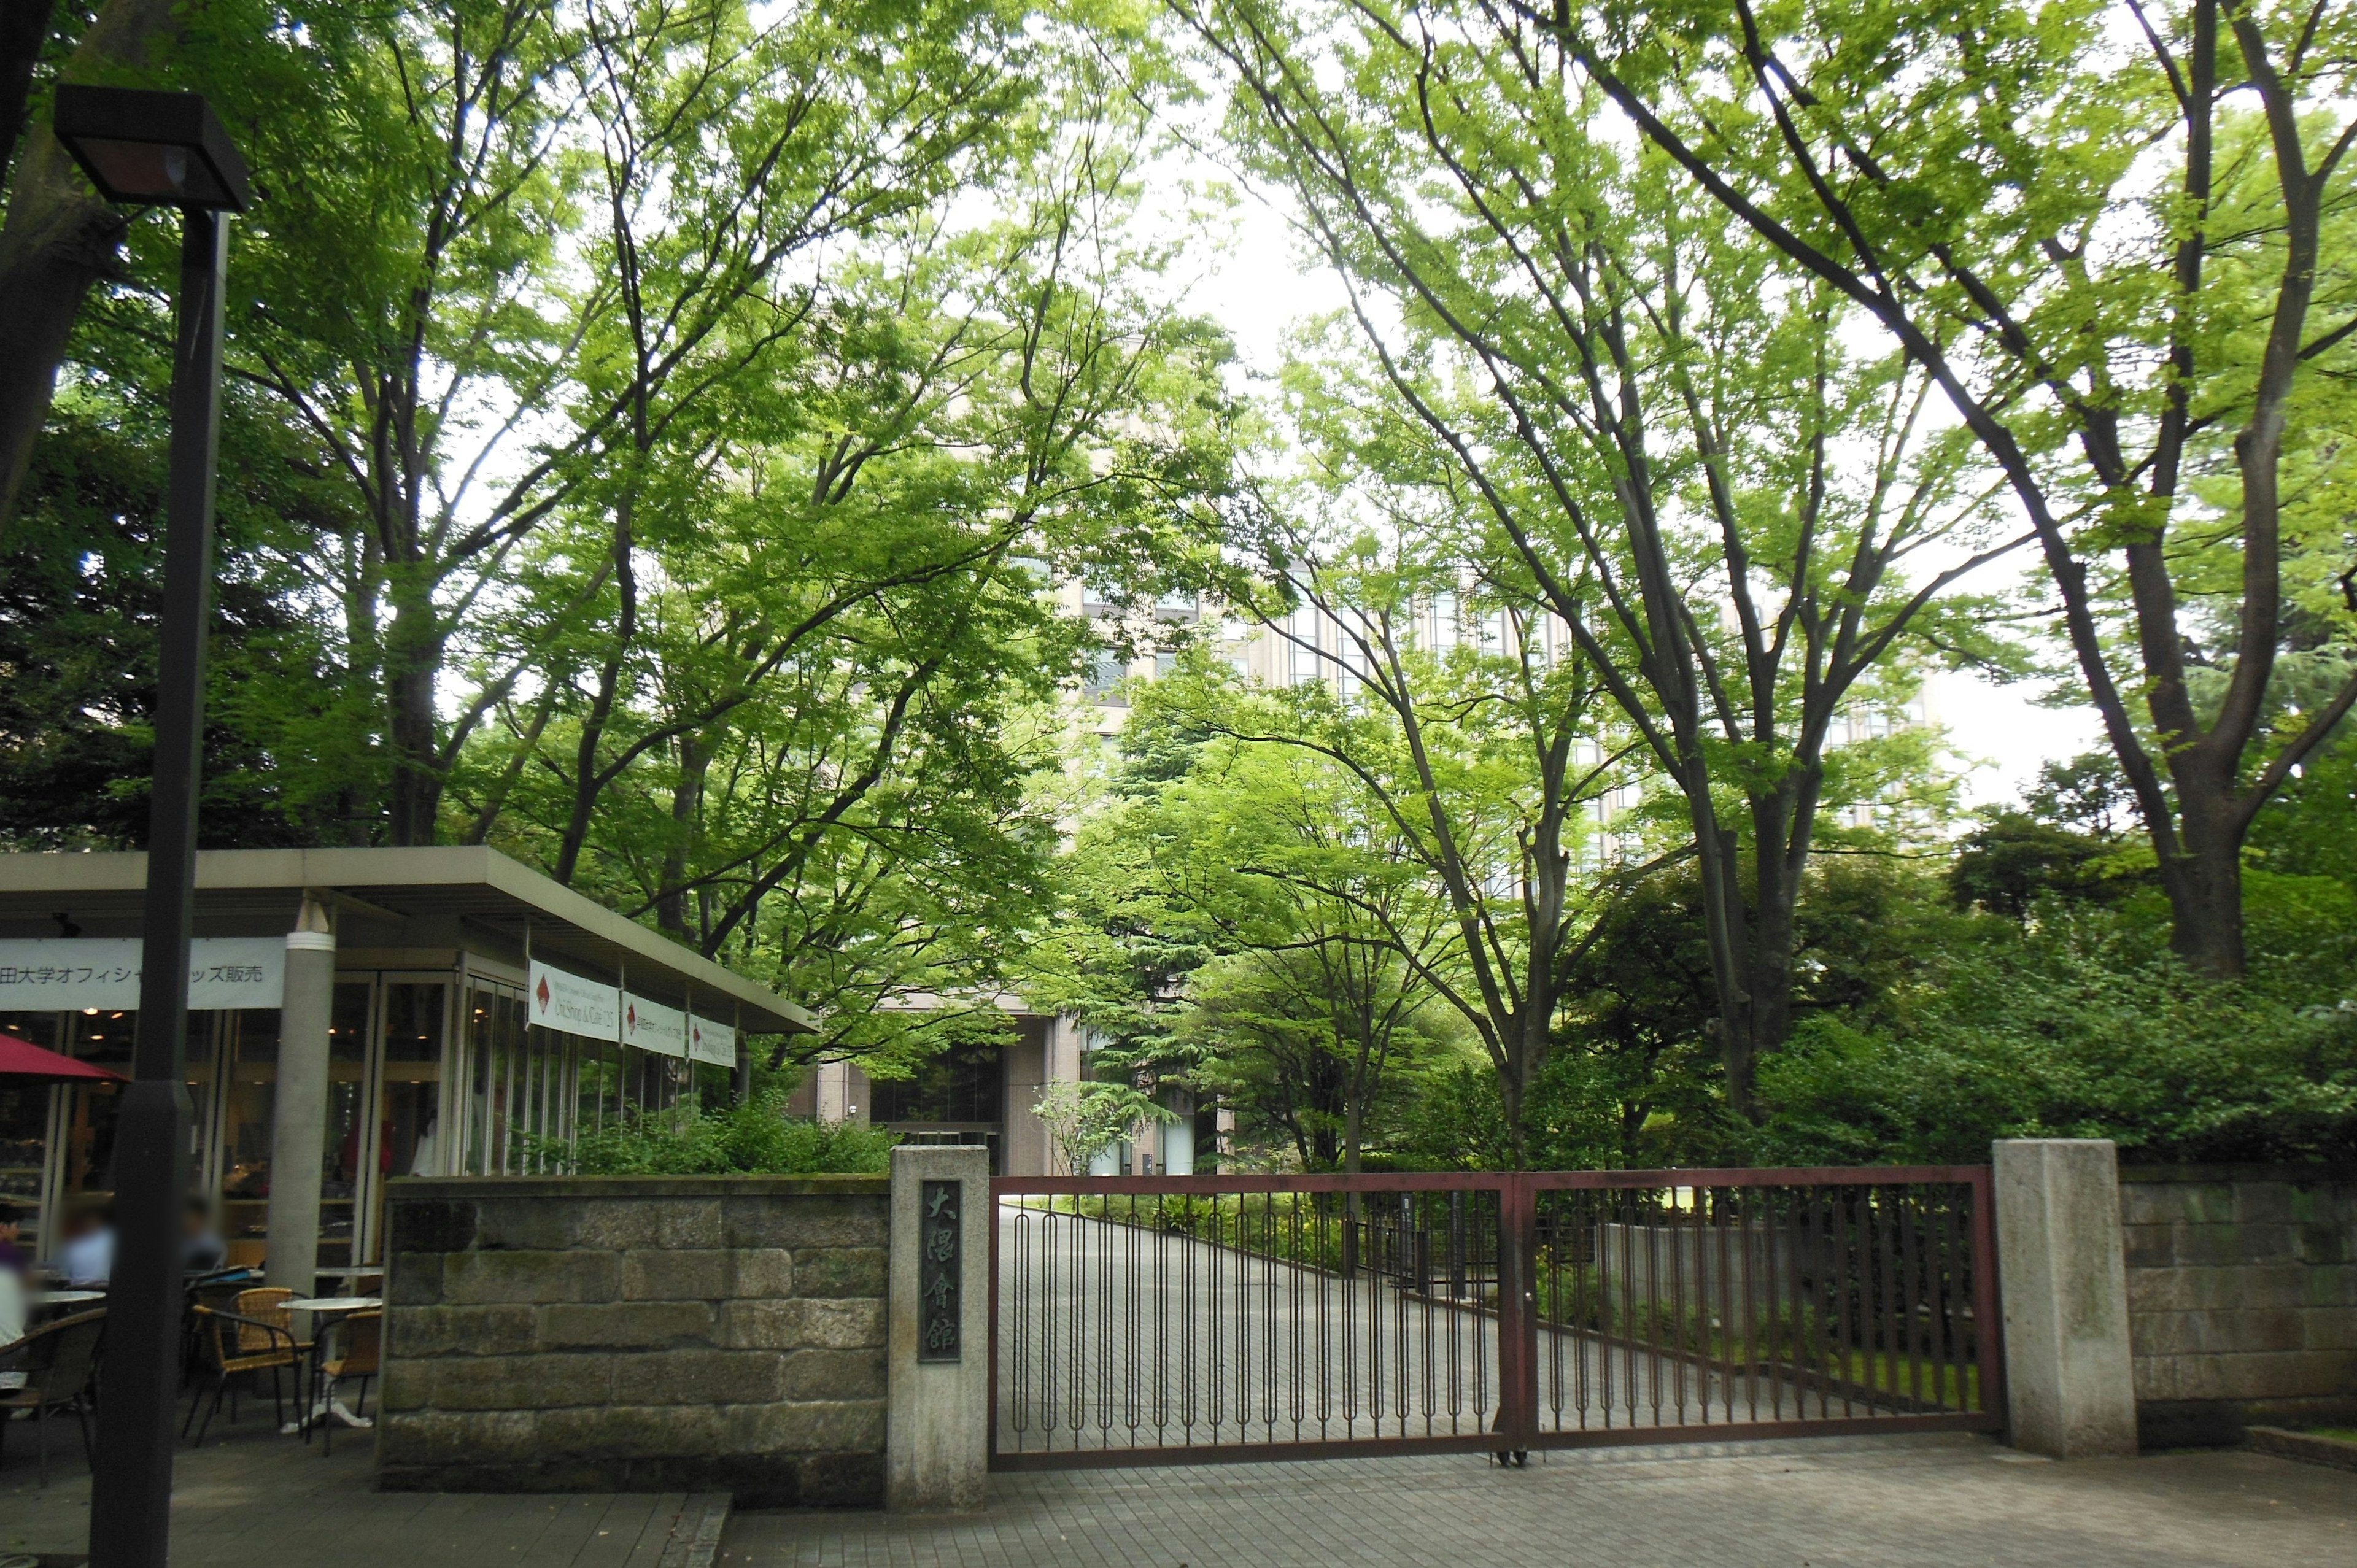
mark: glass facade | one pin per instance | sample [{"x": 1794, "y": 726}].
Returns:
[
  {"x": 24, "y": 1133},
  {"x": 430, "y": 1073},
  {"x": 249, "y": 1090}
]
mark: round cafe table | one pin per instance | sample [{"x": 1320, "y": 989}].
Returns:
[
  {"x": 60, "y": 1300},
  {"x": 326, "y": 1310}
]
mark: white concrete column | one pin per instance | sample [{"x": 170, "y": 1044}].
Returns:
[
  {"x": 298, "y": 1113},
  {"x": 937, "y": 1408},
  {"x": 2070, "y": 1385}
]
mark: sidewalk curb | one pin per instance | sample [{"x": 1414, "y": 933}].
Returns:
[
  {"x": 2305, "y": 1446},
  {"x": 696, "y": 1534}
]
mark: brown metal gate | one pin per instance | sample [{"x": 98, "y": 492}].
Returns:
[{"x": 1200, "y": 1319}]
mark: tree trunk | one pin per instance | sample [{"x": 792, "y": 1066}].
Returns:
[
  {"x": 2205, "y": 888},
  {"x": 414, "y": 644},
  {"x": 1782, "y": 826},
  {"x": 1510, "y": 1096},
  {"x": 686, "y": 811},
  {"x": 60, "y": 238},
  {"x": 1727, "y": 925},
  {"x": 586, "y": 785},
  {"x": 24, "y": 29}
]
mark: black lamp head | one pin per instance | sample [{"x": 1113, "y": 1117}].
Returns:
[{"x": 158, "y": 149}]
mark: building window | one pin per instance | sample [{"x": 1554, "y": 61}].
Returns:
[
  {"x": 960, "y": 1088},
  {"x": 1304, "y": 645},
  {"x": 1104, "y": 679}
]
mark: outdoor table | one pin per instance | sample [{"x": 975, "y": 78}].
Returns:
[
  {"x": 325, "y": 1310},
  {"x": 52, "y": 1300}
]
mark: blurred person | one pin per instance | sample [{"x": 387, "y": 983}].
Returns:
[
  {"x": 14, "y": 1259},
  {"x": 13, "y": 1271},
  {"x": 201, "y": 1248},
  {"x": 87, "y": 1254}
]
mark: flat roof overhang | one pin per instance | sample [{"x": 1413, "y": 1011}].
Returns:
[{"x": 442, "y": 893}]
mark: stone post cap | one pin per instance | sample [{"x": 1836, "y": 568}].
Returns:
[{"x": 2054, "y": 1143}]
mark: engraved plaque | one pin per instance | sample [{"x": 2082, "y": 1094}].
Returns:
[{"x": 941, "y": 1271}]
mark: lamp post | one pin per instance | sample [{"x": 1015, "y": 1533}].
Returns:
[{"x": 161, "y": 149}]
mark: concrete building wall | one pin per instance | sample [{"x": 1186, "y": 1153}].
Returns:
[
  {"x": 638, "y": 1333},
  {"x": 1024, "y": 1142},
  {"x": 2242, "y": 1287}
]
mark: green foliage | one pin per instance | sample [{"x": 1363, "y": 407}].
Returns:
[
  {"x": 757, "y": 1138},
  {"x": 2075, "y": 1029},
  {"x": 2013, "y": 860}
]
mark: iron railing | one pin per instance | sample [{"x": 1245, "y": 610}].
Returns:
[{"x": 1202, "y": 1318}]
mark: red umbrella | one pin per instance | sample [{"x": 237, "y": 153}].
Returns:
[{"x": 22, "y": 1059}]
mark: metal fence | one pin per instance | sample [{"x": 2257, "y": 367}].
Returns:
[{"x": 1140, "y": 1320}]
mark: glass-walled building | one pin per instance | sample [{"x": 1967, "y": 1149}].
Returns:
[{"x": 435, "y": 1063}]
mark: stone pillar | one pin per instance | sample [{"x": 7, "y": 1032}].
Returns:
[
  {"x": 937, "y": 1418},
  {"x": 2069, "y": 1384},
  {"x": 298, "y": 1126}
]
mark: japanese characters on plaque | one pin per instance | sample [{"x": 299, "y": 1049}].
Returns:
[
  {"x": 940, "y": 1265},
  {"x": 67, "y": 974}
]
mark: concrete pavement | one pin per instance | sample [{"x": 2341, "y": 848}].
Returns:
[{"x": 1939, "y": 1501}]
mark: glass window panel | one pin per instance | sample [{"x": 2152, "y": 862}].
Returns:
[
  {"x": 413, "y": 1077},
  {"x": 25, "y": 1127},
  {"x": 250, "y": 1100},
  {"x": 201, "y": 1053},
  {"x": 344, "y": 1144},
  {"x": 477, "y": 1025}
]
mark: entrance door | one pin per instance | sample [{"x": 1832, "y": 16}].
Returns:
[{"x": 393, "y": 1125}]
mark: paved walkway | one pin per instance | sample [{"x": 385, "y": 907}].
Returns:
[
  {"x": 258, "y": 1500},
  {"x": 1927, "y": 1502}
]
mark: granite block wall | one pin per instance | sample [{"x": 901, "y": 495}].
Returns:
[
  {"x": 2241, "y": 1299},
  {"x": 637, "y": 1334}
]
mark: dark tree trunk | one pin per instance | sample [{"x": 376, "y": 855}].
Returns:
[
  {"x": 587, "y": 783},
  {"x": 414, "y": 647},
  {"x": 686, "y": 811},
  {"x": 2205, "y": 892},
  {"x": 60, "y": 238},
  {"x": 24, "y": 29}
]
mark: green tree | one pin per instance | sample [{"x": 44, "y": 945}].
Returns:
[
  {"x": 2116, "y": 238},
  {"x": 1668, "y": 447}
]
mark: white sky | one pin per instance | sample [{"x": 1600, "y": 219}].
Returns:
[{"x": 1262, "y": 282}]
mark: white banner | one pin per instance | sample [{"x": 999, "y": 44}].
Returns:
[
  {"x": 711, "y": 1042},
  {"x": 571, "y": 1006},
  {"x": 68, "y": 973},
  {"x": 236, "y": 971},
  {"x": 654, "y": 1028}
]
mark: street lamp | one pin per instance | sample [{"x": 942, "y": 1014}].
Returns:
[{"x": 161, "y": 149}]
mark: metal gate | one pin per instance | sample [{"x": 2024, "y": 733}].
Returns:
[{"x": 1200, "y": 1319}]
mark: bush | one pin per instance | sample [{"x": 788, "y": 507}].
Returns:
[
  {"x": 757, "y": 1138},
  {"x": 2075, "y": 1029}
]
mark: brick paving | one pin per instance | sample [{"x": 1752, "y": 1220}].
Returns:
[
  {"x": 255, "y": 1500},
  {"x": 1930, "y": 1501}
]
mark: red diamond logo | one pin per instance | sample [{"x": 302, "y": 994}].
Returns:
[
  {"x": 543, "y": 993},
  {"x": 633, "y": 1017}
]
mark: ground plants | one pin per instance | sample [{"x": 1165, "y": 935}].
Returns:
[{"x": 757, "y": 1138}]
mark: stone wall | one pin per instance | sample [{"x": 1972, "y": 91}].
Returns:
[
  {"x": 2241, "y": 1299},
  {"x": 637, "y": 1334}
]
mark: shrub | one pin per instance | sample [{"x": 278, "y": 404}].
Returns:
[
  {"x": 757, "y": 1138},
  {"x": 2075, "y": 1029}
]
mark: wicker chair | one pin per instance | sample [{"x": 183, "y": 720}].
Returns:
[
  {"x": 234, "y": 1343},
  {"x": 359, "y": 1346},
  {"x": 57, "y": 1359}
]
